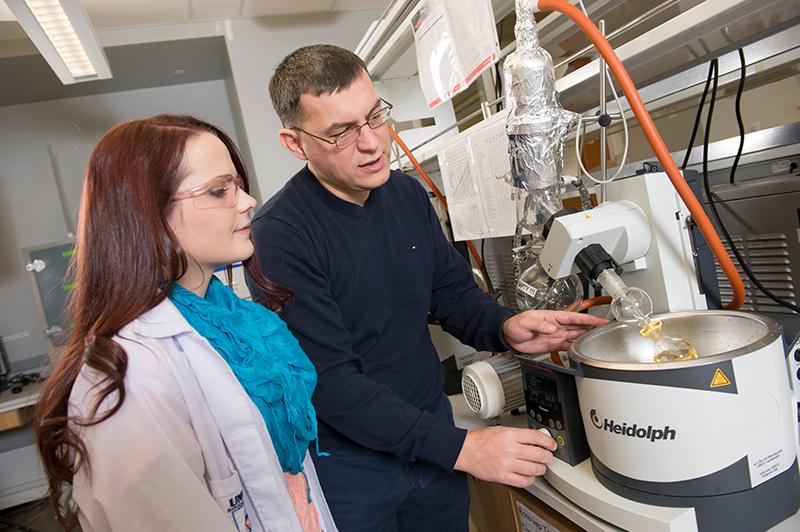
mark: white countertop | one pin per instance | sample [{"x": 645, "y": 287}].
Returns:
[
  {"x": 21, "y": 476},
  {"x": 28, "y": 396}
]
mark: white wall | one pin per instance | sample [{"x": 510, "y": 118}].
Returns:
[
  {"x": 30, "y": 212},
  {"x": 255, "y": 47}
]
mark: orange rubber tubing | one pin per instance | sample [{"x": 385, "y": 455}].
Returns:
[
  {"x": 593, "y": 302},
  {"x": 436, "y": 192},
  {"x": 656, "y": 142}
]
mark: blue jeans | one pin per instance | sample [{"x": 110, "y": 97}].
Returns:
[{"x": 371, "y": 491}]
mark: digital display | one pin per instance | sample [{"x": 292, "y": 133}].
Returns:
[
  {"x": 542, "y": 400},
  {"x": 545, "y": 392}
]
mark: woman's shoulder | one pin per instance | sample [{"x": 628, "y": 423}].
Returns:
[
  {"x": 145, "y": 374},
  {"x": 147, "y": 345}
]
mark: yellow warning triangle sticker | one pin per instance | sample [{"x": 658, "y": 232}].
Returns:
[{"x": 719, "y": 379}]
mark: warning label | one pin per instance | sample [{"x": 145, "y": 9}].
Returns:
[
  {"x": 768, "y": 465},
  {"x": 719, "y": 379}
]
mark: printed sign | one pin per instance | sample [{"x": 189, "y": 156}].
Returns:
[{"x": 529, "y": 521}]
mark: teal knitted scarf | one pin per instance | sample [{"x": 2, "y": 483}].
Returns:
[{"x": 265, "y": 358}]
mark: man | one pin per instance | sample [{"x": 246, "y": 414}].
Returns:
[{"x": 364, "y": 253}]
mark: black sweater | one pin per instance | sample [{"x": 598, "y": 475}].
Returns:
[{"x": 364, "y": 280}]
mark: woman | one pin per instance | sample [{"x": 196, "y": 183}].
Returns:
[{"x": 175, "y": 405}]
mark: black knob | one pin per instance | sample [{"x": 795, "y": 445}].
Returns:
[
  {"x": 593, "y": 259},
  {"x": 797, "y": 355},
  {"x": 604, "y": 120}
]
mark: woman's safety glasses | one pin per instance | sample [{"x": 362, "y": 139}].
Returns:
[{"x": 220, "y": 193}]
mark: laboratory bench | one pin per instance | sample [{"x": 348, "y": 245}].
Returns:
[{"x": 21, "y": 476}]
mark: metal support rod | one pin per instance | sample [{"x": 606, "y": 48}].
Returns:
[
  {"x": 603, "y": 131},
  {"x": 614, "y": 117},
  {"x": 458, "y": 123},
  {"x": 487, "y": 112}
]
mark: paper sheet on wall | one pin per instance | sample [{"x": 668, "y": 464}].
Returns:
[
  {"x": 480, "y": 202},
  {"x": 455, "y": 41}
]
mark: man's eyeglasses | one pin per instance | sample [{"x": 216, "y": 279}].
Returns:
[
  {"x": 220, "y": 193},
  {"x": 350, "y": 135}
]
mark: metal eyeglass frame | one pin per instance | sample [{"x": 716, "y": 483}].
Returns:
[{"x": 384, "y": 111}]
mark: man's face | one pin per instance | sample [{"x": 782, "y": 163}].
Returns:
[{"x": 349, "y": 173}]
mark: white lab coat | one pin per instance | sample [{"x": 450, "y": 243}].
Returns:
[{"x": 188, "y": 449}]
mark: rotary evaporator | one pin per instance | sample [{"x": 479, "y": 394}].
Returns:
[{"x": 672, "y": 404}]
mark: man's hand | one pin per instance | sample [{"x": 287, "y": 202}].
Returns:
[
  {"x": 543, "y": 331},
  {"x": 507, "y": 455}
]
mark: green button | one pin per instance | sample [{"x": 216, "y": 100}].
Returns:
[{"x": 560, "y": 440}]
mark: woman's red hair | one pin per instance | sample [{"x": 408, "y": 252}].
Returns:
[{"x": 126, "y": 261}]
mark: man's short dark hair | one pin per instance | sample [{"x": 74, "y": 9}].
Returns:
[{"x": 316, "y": 69}]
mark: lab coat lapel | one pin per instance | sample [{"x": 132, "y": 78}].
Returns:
[{"x": 244, "y": 433}]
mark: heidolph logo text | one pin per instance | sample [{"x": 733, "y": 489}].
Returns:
[{"x": 632, "y": 431}]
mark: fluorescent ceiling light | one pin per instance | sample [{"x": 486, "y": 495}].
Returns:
[{"x": 64, "y": 36}]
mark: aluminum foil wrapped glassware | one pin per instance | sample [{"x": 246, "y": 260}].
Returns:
[{"x": 537, "y": 127}]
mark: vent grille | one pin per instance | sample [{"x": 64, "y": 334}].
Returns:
[
  {"x": 471, "y": 393},
  {"x": 767, "y": 255},
  {"x": 500, "y": 267}
]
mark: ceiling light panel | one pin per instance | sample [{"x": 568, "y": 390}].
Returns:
[
  {"x": 215, "y": 9},
  {"x": 59, "y": 30},
  {"x": 271, "y": 8},
  {"x": 354, "y": 5},
  {"x": 62, "y": 33},
  {"x": 116, "y": 14}
]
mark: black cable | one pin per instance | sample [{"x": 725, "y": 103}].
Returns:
[
  {"x": 498, "y": 77},
  {"x": 712, "y": 202},
  {"x": 698, "y": 115},
  {"x": 739, "y": 120},
  {"x": 16, "y": 526},
  {"x": 498, "y": 85},
  {"x": 19, "y": 381},
  {"x": 485, "y": 269}
]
